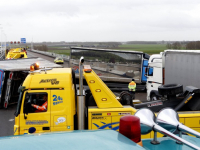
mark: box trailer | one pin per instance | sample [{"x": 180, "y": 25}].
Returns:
[{"x": 172, "y": 67}]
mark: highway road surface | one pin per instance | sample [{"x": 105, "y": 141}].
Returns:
[{"x": 7, "y": 115}]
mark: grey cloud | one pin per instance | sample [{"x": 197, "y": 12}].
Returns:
[{"x": 85, "y": 20}]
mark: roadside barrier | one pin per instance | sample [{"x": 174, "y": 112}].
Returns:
[{"x": 54, "y": 55}]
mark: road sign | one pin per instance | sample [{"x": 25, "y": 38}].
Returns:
[{"x": 23, "y": 40}]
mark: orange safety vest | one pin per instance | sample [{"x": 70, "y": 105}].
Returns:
[{"x": 41, "y": 108}]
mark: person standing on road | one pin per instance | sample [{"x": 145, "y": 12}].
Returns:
[{"x": 131, "y": 88}]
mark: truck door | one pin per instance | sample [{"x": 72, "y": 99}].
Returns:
[
  {"x": 144, "y": 66},
  {"x": 62, "y": 110},
  {"x": 33, "y": 116}
]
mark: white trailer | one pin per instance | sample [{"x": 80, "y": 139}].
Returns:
[{"x": 172, "y": 67}]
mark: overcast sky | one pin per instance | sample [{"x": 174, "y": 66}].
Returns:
[{"x": 100, "y": 20}]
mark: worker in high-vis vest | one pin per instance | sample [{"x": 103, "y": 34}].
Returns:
[
  {"x": 132, "y": 87},
  {"x": 43, "y": 107}
]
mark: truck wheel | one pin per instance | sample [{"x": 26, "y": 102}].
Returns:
[
  {"x": 153, "y": 97},
  {"x": 126, "y": 98},
  {"x": 170, "y": 89}
]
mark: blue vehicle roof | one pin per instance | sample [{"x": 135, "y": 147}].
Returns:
[
  {"x": 167, "y": 143},
  {"x": 90, "y": 140},
  {"x": 75, "y": 140}
]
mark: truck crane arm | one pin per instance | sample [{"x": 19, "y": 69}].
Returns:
[{"x": 103, "y": 96}]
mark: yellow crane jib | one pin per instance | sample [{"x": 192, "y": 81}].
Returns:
[{"x": 103, "y": 96}]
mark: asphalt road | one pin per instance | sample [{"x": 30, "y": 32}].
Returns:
[{"x": 7, "y": 115}]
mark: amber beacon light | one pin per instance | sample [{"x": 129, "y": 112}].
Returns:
[{"x": 34, "y": 67}]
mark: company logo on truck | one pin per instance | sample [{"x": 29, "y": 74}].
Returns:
[
  {"x": 109, "y": 125},
  {"x": 57, "y": 99},
  {"x": 40, "y": 122},
  {"x": 155, "y": 104},
  {"x": 52, "y": 81},
  {"x": 60, "y": 120}
]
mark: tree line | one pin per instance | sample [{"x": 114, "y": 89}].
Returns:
[
  {"x": 194, "y": 45},
  {"x": 41, "y": 47}
]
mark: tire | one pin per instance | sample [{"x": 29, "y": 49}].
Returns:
[
  {"x": 126, "y": 98},
  {"x": 153, "y": 97},
  {"x": 170, "y": 89}
]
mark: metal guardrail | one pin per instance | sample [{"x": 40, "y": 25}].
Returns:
[
  {"x": 54, "y": 55},
  {"x": 2, "y": 55}
]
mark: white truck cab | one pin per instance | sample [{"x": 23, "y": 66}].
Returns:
[{"x": 154, "y": 76}]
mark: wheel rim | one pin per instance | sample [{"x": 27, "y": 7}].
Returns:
[{"x": 154, "y": 98}]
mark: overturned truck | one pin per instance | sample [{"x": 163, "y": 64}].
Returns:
[{"x": 12, "y": 75}]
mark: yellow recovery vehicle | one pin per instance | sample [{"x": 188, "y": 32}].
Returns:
[
  {"x": 16, "y": 53},
  {"x": 66, "y": 108}
]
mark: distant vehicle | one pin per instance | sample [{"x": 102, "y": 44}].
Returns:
[
  {"x": 59, "y": 60},
  {"x": 16, "y": 53}
]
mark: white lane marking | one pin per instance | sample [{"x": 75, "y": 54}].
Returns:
[{"x": 11, "y": 119}]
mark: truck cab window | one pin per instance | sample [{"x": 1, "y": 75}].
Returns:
[
  {"x": 35, "y": 102},
  {"x": 150, "y": 71}
]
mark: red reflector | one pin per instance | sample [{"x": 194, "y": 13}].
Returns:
[
  {"x": 130, "y": 127},
  {"x": 5, "y": 105},
  {"x": 10, "y": 75}
]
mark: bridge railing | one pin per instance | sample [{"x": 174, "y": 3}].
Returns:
[
  {"x": 50, "y": 54},
  {"x": 2, "y": 54}
]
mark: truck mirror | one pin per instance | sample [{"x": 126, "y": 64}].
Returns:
[
  {"x": 146, "y": 56},
  {"x": 25, "y": 111},
  {"x": 26, "y": 108},
  {"x": 27, "y": 103},
  {"x": 21, "y": 88},
  {"x": 146, "y": 71}
]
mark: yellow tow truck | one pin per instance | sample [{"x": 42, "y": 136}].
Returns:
[
  {"x": 67, "y": 108},
  {"x": 16, "y": 53}
]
